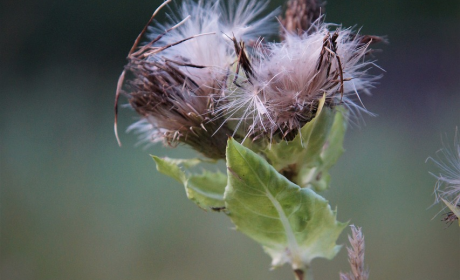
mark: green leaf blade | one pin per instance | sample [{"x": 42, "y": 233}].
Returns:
[
  {"x": 308, "y": 143},
  {"x": 170, "y": 167},
  {"x": 317, "y": 177},
  {"x": 334, "y": 143},
  {"x": 206, "y": 189},
  {"x": 294, "y": 225},
  {"x": 314, "y": 150}
]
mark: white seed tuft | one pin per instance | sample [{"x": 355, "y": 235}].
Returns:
[{"x": 448, "y": 185}]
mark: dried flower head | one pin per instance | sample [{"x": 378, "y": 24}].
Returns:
[
  {"x": 178, "y": 75},
  {"x": 447, "y": 187},
  {"x": 280, "y": 90},
  {"x": 210, "y": 74},
  {"x": 356, "y": 256}
]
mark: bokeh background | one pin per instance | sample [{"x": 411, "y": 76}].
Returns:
[{"x": 76, "y": 206}]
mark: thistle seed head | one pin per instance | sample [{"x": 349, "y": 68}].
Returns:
[
  {"x": 281, "y": 89},
  {"x": 209, "y": 74},
  {"x": 179, "y": 73}
]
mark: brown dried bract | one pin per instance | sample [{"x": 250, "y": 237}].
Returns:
[
  {"x": 242, "y": 61},
  {"x": 450, "y": 217},
  {"x": 366, "y": 40},
  {"x": 328, "y": 53}
]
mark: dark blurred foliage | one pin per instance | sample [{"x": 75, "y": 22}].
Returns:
[{"x": 75, "y": 206}]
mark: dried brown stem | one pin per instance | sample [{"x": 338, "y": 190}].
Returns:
[{"x": 300, "y": 14}]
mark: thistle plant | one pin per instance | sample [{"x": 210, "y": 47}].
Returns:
[
  {"x": 447, "y": 188},
  {"x": 275, "y": 112}
]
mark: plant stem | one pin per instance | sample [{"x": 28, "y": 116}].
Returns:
[
  {"x": 303, "y": 274},
  {"x": 298, "y": 274}
]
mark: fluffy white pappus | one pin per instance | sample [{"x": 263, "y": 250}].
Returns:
[
  {"x": 146, "y": 131},
  {"x": 292, "y": 75},
  {"x": 448, "y": 185},
  {"x": 241, "y": 20},
  {"x": 218, "y": 23}
]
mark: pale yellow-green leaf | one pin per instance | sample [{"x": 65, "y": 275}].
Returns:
[
  {"x": 293, "y": 224},
  {"x": 205, "y": 189}
]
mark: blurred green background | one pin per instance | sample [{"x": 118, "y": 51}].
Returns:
[{"x": 76, "y": 206}]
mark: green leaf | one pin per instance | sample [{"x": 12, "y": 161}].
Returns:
[
  {"x": 206, "y": 189},
  {"x": 306, "y": 144},
  {"x": 334, "y": 148},
  {"x": 293, "y": 224},
  {"x": 170, "y": 167},
  {"x": 453, "y": 208},
  {"x": 317, "y": 177},
  {"x": 308, "y": 157}
]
